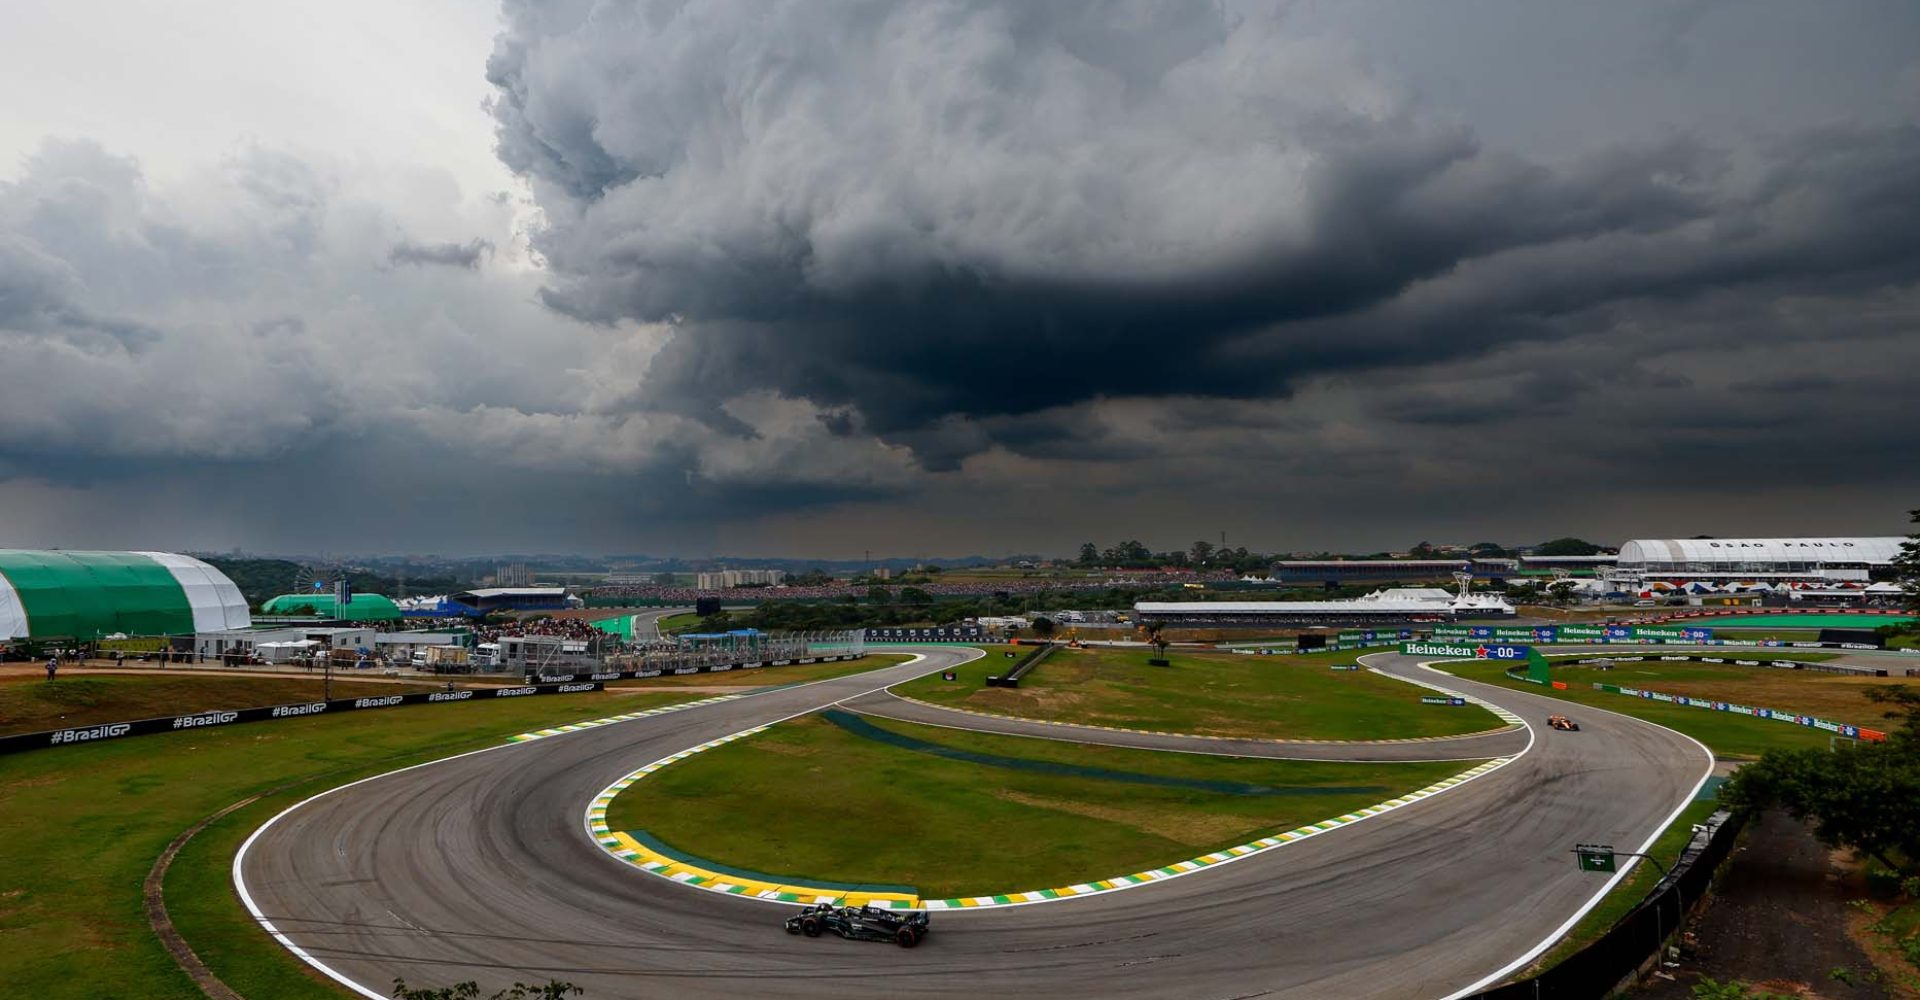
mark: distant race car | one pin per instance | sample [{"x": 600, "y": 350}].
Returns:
[
  {"x": 1562, "y": 722},
  {"x": 905, "y": 928}
]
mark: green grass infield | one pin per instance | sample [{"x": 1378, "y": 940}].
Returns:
[
  {"x": 956, "y": 813},
  {"x": 1214, "y": 694},
  {"x": 81, "y": 826},
  {"x": 1728, "y": 735}
]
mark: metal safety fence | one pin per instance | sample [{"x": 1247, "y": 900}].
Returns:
[{"x": 1597, "y": 970}]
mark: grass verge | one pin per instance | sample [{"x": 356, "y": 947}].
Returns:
[
  {"x": 799, "y": 673},
  {"x": 1217, "y": 694},
  {"x": 1839, "y": 697},
  {"x": 1729, "y": 736},
  {"x": 80, "y": 827},
  {"x": 1631, "y": 891},
  {"x": 960, "y": 827},
  {"x": 29, "y": 704}
]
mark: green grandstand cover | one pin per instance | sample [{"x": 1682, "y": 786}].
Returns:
[
  {"x": 360, "y": 607},
  {"x": 86, "y": 595}
]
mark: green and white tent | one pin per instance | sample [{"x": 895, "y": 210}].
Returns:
[{"x": 86, "y": 595}]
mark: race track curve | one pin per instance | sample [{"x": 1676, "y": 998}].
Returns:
[{"x": 477, "y": 867}]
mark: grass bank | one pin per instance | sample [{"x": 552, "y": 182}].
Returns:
[
  {"x": 81, "y": 826},
  {"x": 1729, "y": 736},
  {"x": 29, "y": 704},
  {"x": 1218, "y": 694},
  {"x": 1047, "y": 814},
  {"x": 799, "y": 673},
  {"x": 1839, "y": 697}
]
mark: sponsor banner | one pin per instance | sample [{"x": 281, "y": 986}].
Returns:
[
  {"x": 1477, "y": 651},
  {"x": 207, "y": 719},
  {"x": 1345, "y": 666},
  {"x": 1584, "y": 632},
  {"x": 1527, "y": 634},
  {"x": 1434, "y": 699},
  {"x": 1644, "y": 633},
  {"x": 940, "y": 633},
  {"x": 1451, "y": 631},
  {"x": 1838, "y": 728}
]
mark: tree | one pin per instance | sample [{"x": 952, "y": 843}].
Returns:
[
  {"x": 1043, "y": 627},
  {"x": 1906, "y": 566},
  {"x": 1487, "y": 550},
  {"x": 1201, "y": 552},
  {"x": 914, "y": 595},
  {"x": 1158, "y": 641},
  {"x": 879, "y": 595},
  {"x": 1089, "y": 555},
  {"x": 1424, "y": 550},
  {"x": 1566, "y": 547},
  {"x": 1866, "y": 798},
  {"x": 1561, "y": 591}
]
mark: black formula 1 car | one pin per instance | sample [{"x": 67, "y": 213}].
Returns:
[
  {"x": 905, "y": 928},
  {"x": 1564, "y": 723}
]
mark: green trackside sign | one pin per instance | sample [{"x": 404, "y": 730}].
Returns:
[
  {"x": 1513, "y": 634},
  {"x": 1453, "y": 631},
  {"x": 1596, "y": 857},
  {"x": 1537, "y": 669},
  {"x": 1580, "y": 632}
]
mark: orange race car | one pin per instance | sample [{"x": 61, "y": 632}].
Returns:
[{"x": 1562, "y": 722}]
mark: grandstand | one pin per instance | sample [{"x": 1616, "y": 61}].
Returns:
[
  {"x": 489, "y": 599},
  {"x": 84, "y": 596},
  {"x": 1713, "y": 562},
  {"x": 1382, "y": 607},
  {"x": 1333, "y": 572}
]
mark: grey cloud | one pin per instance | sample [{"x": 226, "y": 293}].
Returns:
[
  {"x": 891, "y": 207},
  {"x": 466, "y": 255}
]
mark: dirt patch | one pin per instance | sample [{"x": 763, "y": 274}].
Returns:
[
  {"x": 1778, "y": 919},
  {"x": 1191, "y": 829}
]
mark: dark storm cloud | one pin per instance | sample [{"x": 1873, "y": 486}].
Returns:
[
  {"x": 958, "y": 218},
  {"x": 466, "y": 255}
]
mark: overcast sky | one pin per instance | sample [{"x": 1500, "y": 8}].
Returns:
[{"x": 815, "y": 278}]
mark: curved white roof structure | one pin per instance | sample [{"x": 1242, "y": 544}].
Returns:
[
  {"x": 84, "y": 595},
  {"x": 1709, "y": 554}
]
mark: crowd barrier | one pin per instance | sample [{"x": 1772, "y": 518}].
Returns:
[
  {"x": 1597, "y": 970},
  {"x": 270, "y": 713}
]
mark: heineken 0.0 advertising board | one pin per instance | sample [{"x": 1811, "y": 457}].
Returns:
[
  {"x": 1580, "y": 632},
  {"x": 1454, "y": 631},
  {"x": 1664, "y": 633}
]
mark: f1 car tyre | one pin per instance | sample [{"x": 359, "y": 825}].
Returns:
[
  {"x": 793, "y": 928},
  {"x": 810, "y": 927},
  {"x": 906, "y": 938}
]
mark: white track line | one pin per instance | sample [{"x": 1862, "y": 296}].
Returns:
[
  {"x": 1553, "y": 937},
  {"x": 586, "y": 819},
  {"x": 240, "y": 857}
]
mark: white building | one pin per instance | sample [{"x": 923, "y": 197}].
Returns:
[
  {"x": 724, "y": 578},
  {"x": 1644, "y": 561}
]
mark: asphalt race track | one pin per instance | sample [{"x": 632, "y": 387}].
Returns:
[{"x": 478, "y": 867}]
